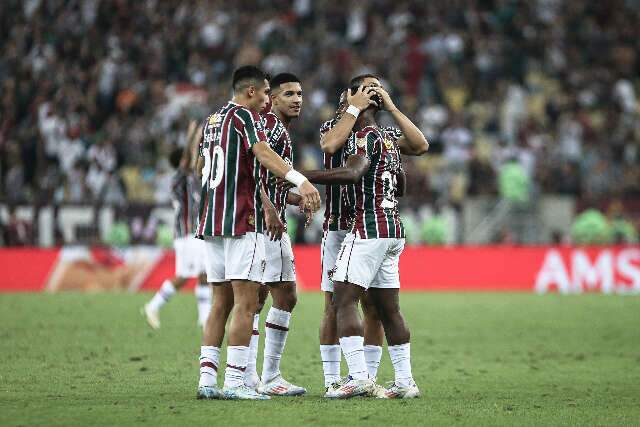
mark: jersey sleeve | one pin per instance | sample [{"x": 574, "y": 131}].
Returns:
[
  {"x": 251, "y": 127},
  {"x": 326, "y": 126},
  {"x": 392, "y": 133},
  {"x": 269, "y": 122}
]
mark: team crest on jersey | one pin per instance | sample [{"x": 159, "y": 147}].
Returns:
[
  {"x": 214, "y": 119},
  {"x": 361, "y": 142},
  {"x": 259, "y": 126},
  {"x": 251, "y": 220},
  {"x": 388, "y": 143}
]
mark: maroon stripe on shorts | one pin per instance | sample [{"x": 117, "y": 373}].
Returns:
[{"x": 274, "y": 326}]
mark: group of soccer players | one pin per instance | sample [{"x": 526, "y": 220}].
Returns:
[{"x": 246, "y": 159}]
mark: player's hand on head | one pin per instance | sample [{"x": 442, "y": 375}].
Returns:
[
  {"x": 361, "y": 98},
  {"x": 310, "y": 196},
  {"x": 387, "y": 103}
]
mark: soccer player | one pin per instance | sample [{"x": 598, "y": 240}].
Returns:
[
  {"x": 279, "y": 274},
  {"x": 369, "y": 255},
  {"x": 231, "y": 222},
  {"x": 337, "y": 218},
  {"x": 189, "y": 251}
]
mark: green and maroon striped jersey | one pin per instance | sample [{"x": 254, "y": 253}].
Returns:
[
  {"x": 185, "y": 199},
  {"x": 230, "y": 204},
  {"x": 337, "y": 212},
  {"x": 280, "y": 142},
  {"x": 373, "y": 198}
]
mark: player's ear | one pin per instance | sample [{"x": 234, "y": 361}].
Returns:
[{"x": 251, "y": 91}]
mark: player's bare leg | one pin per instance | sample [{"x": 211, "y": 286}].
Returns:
[
  {"x": 373, "y": 335},
  {"x": 245, "y": 294},
  {"x": 251, "y": 377},
  {"x": 285, "y": 298},
  {"x": 351, "y": 333},
  {"x": 220, "y": 311},
  {"x": 212, "y": 337},
  {"x": 168, "y": 289},
  {"x": 398, "y": 337}
]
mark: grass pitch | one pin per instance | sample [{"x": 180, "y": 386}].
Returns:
[{"x": 480, "y": 359}]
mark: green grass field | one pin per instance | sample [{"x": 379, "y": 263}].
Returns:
[{"x": 480, "y": 359}]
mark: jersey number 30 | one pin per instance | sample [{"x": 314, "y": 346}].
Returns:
[{"x": 213, "y": 169}]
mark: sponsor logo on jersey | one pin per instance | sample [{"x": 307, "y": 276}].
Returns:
[{"x": 276, "y": 133}]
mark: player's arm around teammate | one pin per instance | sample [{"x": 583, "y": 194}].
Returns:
[{"x": 270, "y": 160}]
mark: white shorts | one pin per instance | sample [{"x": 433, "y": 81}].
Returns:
[
  {"x": 329, "y": 250},
  {"x": 190, "y": 256},
  {"x": 370, "y": 263},
  {"x": 235, "y": 258},
  {"x": 279, "y": 256}
]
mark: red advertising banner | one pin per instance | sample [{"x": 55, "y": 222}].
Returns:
[{"x": 451, "y": 269}]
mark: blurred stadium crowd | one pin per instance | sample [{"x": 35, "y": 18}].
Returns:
[{"x": 517, "y": 98}]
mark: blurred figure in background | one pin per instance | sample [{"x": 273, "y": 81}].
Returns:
[{"x": 189, "y": 251}]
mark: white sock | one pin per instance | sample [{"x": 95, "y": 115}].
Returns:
[
  {"x": 372, "y": 355},
  {"x": 401, "y": 360},
  {"x": 203, "y": 300},
  {"x": 164, "y": 294},
  {"x": 276, "y": 330},
  {"x": 353, "y": 350},
  {"x": 331, "y": 356},
  {"x": 251, "y": 374},
  {"x": 237, "y": 356},
  {"x": 209, "y": 362}
]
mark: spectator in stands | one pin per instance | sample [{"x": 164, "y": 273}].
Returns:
[
  {"x": 17, "y": 231},
  {"x": 109, "y": 82}
]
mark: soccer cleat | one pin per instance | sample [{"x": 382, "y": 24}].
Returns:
[
  {"x": 334, "y": 385},
  {"x": 242, "y": 393},
  {"x": 280, "y": 387},
  {"x": 351, "y": 388},
  {"x": 209, "y": 392},
  {"x": 378, "y": 390},
  {"x": 398, "y": 392},
  {"x": 152, "y": 316}
]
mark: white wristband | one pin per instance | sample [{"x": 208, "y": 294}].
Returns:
[
  {"x": 353, "y": 110},
  {"x": 295, "y": 177}
]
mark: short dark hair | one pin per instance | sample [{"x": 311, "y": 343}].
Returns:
[
  {"x": 246, "y": 75},
  {"x": 175, "y": 156},
  {"x": 358, "y": 80},
  {"x": 283, "y": 78}
]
